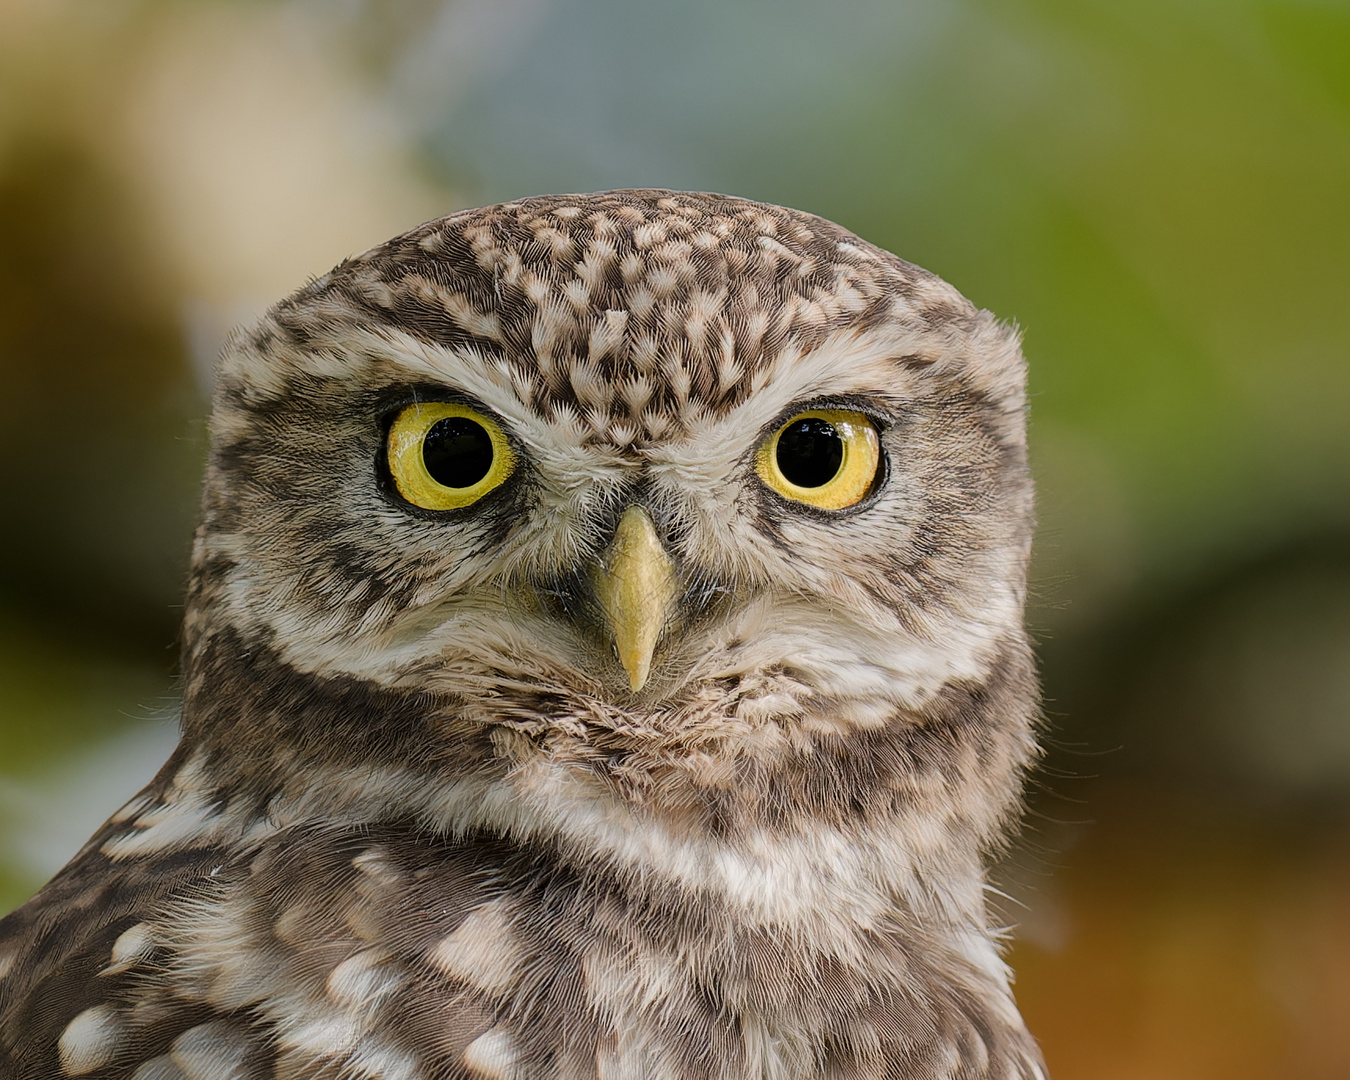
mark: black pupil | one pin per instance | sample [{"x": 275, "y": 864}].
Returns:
[
  {"x": 457, "y": 452},
  {"x": 810, "y": 452}
]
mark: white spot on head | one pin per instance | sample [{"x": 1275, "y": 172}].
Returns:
[
  {"x": 649, "y": 234},
  {"x": 482, "y": 951},
  {"x": 90, "y": 1040},
  {"x": 484, "y": 324},
  {"x": 577, "y": 293},
  {"x": 661, "y": 282},
  {"x": 6, "y": 962},
  {"x": 607, "y": 334},
  {"x": 492, "y": 1055},
  {"x": 630, "y": 267}
]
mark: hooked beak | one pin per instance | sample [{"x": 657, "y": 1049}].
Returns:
[{"x": 636, "y": 584}]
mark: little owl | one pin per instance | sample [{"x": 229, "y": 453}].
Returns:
[{"x": 603, "y": 658}]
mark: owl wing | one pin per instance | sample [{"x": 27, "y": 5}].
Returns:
[{"x": 299, "y": 951}]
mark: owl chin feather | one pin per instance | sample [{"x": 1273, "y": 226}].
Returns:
[{"x": 614, "y": 746}]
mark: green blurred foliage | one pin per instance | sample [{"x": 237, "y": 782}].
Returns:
[{"x": 92, "y": 396}]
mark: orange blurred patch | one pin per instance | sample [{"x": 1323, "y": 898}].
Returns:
[{"x": 1194, "y": 948}]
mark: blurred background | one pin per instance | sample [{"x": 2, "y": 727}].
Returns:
[{"x": 1157, "y": 191}]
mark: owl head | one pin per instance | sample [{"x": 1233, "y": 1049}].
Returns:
[{"x": 705, "y": 503}]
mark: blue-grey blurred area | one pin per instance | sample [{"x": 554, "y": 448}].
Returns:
[{"x": 1156, "y": 191}]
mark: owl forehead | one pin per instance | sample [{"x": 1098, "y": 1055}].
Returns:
[{"x": 633, "y": 316}]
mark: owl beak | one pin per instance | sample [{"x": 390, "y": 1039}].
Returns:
[{"x": 636, "y": 583}]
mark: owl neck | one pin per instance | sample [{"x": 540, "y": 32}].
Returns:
[
  {"x": 904, "y": 809},
  {"x": 959, "y": 756},
  {"x": 837, "y": 882}
]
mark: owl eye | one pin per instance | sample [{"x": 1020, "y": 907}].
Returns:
[
  {"x": 827, "y": 458},
  {"x": 443, "y": 456}
]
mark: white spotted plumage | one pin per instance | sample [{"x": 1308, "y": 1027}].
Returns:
[{"x": 427, "y": 821}]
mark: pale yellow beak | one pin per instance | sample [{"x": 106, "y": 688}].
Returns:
[{"x": 636, "y": 585}]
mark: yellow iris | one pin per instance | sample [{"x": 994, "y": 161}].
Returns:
[
  {"x": 827, "y": 458},
  {"x": 444, "y": 456}
]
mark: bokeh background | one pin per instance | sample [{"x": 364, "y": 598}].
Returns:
[{"x": 1157, "y": 191}]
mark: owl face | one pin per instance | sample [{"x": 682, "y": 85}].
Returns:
[{"x": 697, "y": 462}]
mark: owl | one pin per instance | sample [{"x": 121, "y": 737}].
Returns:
[{"x": 603, "y": 658}]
